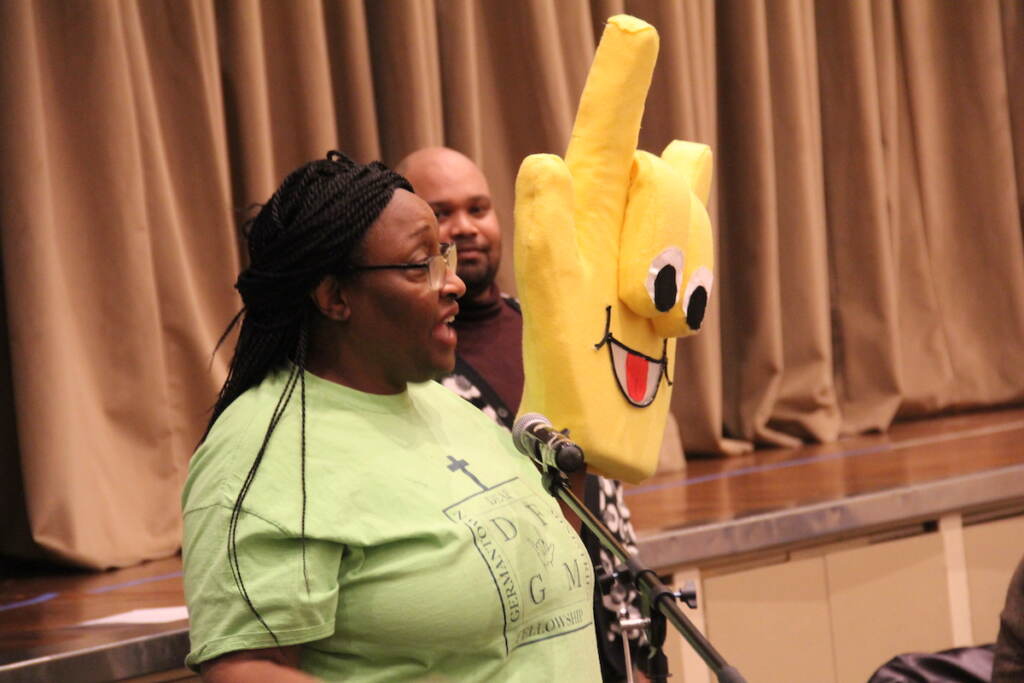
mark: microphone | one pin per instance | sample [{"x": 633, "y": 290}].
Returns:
[{"x": 534, "y": 436}]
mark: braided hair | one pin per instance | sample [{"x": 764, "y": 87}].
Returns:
[{"x": 308, "y": 229}]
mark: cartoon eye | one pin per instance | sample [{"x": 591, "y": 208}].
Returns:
[
  {"x": 664, "y": 277},
  {"x": 695, "y": 298}
]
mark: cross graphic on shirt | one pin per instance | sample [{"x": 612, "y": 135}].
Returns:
[{"x": 462, "y": 465}]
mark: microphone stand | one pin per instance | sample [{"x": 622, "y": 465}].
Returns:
[{"x": 659, "y": 603}]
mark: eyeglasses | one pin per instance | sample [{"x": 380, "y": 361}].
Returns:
[{"x": 437, "y": 267}]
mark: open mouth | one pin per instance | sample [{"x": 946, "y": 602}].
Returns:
[
  {"x": 444, "y": 329},
  {"x": 638, "y": 375}
]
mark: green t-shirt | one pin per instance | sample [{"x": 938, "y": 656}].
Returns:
[{"x": 433, "y": 552}]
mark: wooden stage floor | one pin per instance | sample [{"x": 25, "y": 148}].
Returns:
[
  {"x": 918, "y": 469},
  {"x": 716, "y": 507},
  {"x": 43, "y": 635},
  {"x": 717, "y": 490}
]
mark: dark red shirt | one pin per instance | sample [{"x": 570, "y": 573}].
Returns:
[{"x": 491, "y": 341}]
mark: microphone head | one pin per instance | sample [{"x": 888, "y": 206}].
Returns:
[
  {"x": 521, "y": 428},
  {"x": 569, "y": 458}
]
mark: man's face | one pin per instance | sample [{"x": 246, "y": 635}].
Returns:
[{"x": 458, "y": 193}]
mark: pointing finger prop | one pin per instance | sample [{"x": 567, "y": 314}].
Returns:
[{"x": 614, "y": 259}]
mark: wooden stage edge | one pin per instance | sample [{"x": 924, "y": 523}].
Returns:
[
  {"x": 714, "y": 512},
  {"x": 969, "y": 463}
]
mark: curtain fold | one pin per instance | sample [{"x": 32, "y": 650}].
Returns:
[
  {"x": 860, "y": 155},
  {"x": 406, "y": 72},
  {"x": 867, "y": 205},
  {"x": 806, "y": 405},
  {"x": 969, "y": 245},
  {"x": 1012, "y": 21},
  {"x": 749, "y": 204},
  {"x": 107, "y": 147}
]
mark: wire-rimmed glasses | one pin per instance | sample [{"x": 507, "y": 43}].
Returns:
[{"x": 437, "y": 267}]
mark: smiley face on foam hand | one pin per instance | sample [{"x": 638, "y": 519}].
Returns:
[{"x": 614, "y": 259}]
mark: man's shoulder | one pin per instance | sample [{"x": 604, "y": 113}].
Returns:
[{"x": 511, "y": 302}]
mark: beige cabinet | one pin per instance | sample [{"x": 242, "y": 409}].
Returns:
[{"x": 836, "y": 613}]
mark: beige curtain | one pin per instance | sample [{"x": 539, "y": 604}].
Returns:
[
  {"x": 118, "y": 255},
  {"x": 867, "y": 204},
  {"x": 870, "y": 213}
]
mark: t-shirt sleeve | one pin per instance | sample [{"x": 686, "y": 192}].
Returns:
[{"x": 296, "y": 603}]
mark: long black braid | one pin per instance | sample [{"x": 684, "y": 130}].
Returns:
[{"x": 309, "y": 228}]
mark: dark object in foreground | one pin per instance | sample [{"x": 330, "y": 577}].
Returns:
[{"x": 960, "y": 664}]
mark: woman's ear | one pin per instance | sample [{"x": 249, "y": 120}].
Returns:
[{"x": 330, "y": 299}]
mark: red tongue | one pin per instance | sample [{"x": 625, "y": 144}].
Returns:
[{"x": 636, "y": 376}]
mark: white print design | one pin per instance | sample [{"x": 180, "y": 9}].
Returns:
[{"x": 517, "y": 536}]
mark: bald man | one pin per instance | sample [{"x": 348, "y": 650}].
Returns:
[
  {"x": 489, "y": 357},
  {"x": 461, "y": 198}
]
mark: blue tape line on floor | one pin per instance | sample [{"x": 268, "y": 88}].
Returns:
[
  {"x": 102, "y": 589},
  {"x": 31, "y": 601}
]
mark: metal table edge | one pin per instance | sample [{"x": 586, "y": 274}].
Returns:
[
  {"x": 147, "y": 654},
  {"x": 693, "y": 544}
]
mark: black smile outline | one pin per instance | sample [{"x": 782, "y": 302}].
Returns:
[{"x": 609, "y": 339}]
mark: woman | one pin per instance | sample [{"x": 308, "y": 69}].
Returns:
[{"x": 344, "y": 516}]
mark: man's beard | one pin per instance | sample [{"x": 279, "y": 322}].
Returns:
[{"x": 478, "y": 281}]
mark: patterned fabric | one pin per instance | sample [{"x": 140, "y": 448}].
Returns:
[
  {"x": 463, "y": 385},
  {"x": 603, "y": 497},
  {"x": 615, "y": 515}
]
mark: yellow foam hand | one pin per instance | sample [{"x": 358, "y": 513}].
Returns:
[{"x": 614, "y": 258}]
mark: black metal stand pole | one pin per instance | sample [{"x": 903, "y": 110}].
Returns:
[{"x": 662, "y": 601}]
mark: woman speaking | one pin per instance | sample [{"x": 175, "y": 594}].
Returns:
[{"x": 346, "y": 518}]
